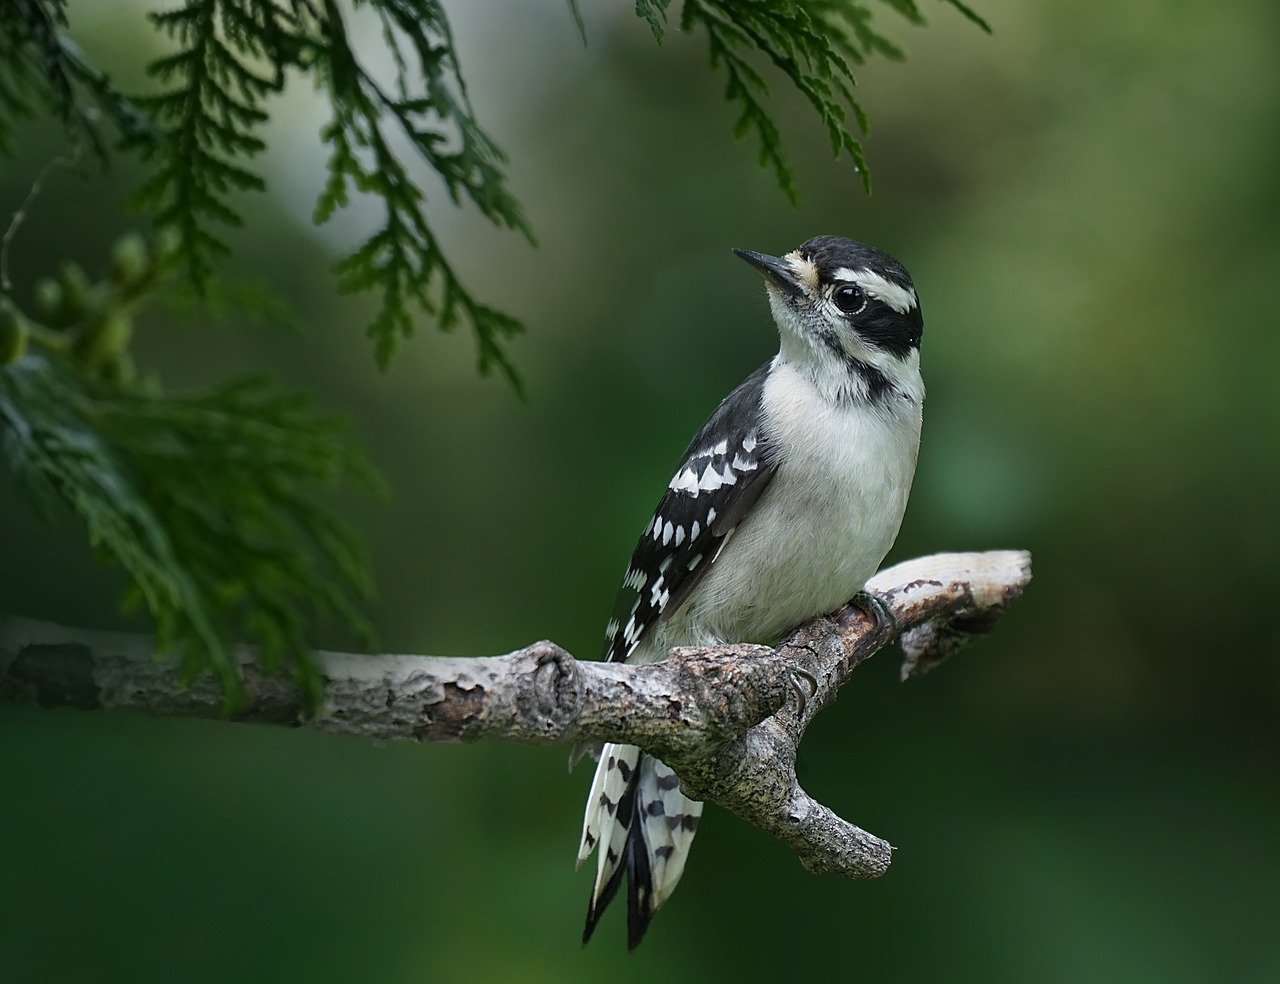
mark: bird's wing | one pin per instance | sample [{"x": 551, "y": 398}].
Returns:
[{"x": 723, "y": 472}]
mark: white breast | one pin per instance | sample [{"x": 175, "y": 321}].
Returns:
[{"x": 830, "y": 514}]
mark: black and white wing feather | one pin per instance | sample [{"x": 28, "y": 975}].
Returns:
[
  {"x": 636, "y": 813},
  {"x": 724, "y": 471}
]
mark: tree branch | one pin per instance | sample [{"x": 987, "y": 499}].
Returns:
[{"x": 728, "y": 719}]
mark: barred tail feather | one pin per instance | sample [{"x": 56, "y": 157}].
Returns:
[
  {"x": 643, "y": 826},
  {"x": 670, "y": 821}
]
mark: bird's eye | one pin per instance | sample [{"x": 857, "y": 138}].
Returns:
[{"x": 849, "y": 298}]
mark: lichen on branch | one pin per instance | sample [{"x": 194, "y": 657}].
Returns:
[{"x": 728, "y": 719}]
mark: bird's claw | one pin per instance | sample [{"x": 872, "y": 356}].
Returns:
[
  {"x": 879, "y": 612},
  {"x": 799, "y": 679}
]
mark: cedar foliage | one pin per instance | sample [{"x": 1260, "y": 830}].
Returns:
[{"x": 215, "y": 505}]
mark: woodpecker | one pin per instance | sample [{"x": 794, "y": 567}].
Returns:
[{"x": 784, "y": 504}]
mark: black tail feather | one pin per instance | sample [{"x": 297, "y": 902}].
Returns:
[
  {"x": 639, "y": 887},
  {"x": 635, "y": 863}
]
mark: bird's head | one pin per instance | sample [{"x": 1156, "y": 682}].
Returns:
[{"x": 847, "y": 313}]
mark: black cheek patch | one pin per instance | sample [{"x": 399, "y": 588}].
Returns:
[{"x": 898, "y": 334}]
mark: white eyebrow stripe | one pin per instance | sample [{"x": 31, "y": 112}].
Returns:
[{"x": 899, "y": 298}]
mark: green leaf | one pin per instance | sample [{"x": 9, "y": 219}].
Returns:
[
  {"x": 810, "y": 43},
  {"x": 654, "y": 13},
  {"x": 213, "y": 505},
  {"x": 970, "y": 14},
  {"x": 404, "y": 260},
  {"x": 200, "y": 129},
  {"x": 207, "y": 116}
]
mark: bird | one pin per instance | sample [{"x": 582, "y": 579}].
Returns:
[{"x": 784, "y": 504}]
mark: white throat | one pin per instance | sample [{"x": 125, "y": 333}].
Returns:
[{"x": 837, "y": 377}]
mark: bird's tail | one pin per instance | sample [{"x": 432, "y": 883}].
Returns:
[{"x": 643, "y": 826}]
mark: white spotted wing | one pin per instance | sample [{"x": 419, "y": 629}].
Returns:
[{"x": 723, "y": 472}]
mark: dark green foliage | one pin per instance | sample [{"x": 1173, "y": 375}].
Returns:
[
  {"x": 213, "y": 105},
  {"x": 208, "y": 503},
  {"x": 209, "y": 110},
  {"x": 211, "y": 503},
  {"x": 214, "y": 505},
  {"x": 655, "y": 14},
  {"x": 812, "y": 43},
  {"x": 39, "y": 63},
  {"x": 200, "y": 131},
  {"x": 404, "y": 258}
]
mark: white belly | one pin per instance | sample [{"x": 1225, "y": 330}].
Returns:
[{"x": 829, "y": 516}]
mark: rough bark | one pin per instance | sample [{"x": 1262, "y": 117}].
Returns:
[{"x": 728, "y": 719}]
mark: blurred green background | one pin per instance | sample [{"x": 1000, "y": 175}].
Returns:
[{"x": 1087, "y": 201}]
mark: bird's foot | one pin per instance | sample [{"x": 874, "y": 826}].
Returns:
[
  {"x": 804, "y": 683},
  {"x": 879, "y": 612}
]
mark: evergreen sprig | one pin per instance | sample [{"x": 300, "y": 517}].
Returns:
[
  {"x": 39, "y": 62},
  {"x": 210, "y": 109},
  {"x": 210, "y": 504},
  {"x": 404, "y": 257},
  {"x": 213, "y": 504},
  {"x": 201, "y": 130},
  {"x": 812, "y": 44}
]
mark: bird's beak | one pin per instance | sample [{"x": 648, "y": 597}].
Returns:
[{"x": 775, "y": 270}]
